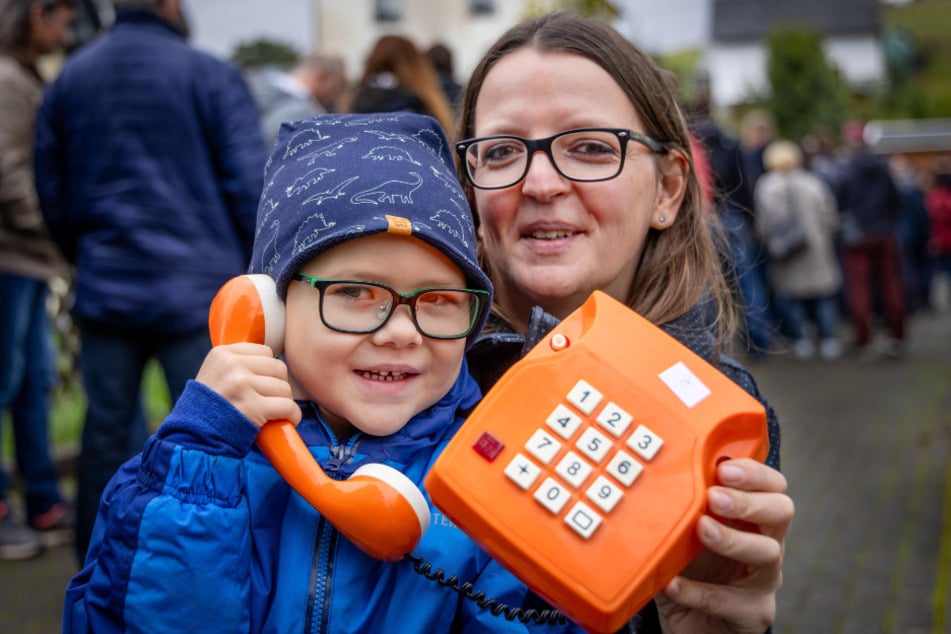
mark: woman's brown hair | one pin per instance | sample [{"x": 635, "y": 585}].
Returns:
[
  {"x": 680, "y": 266},
  {"x": 413, "y": 70}
]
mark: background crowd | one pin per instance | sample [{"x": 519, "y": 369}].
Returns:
[{"x": 136, "y": 175}]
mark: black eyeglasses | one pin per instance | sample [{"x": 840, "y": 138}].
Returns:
[
  {"x": 586, "y": 155},
  {"x": 359, "y": 307}
]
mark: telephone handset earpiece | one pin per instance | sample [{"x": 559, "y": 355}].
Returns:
[{"x": 378, "y": 508}]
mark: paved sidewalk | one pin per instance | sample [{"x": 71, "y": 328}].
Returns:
[{"x": 866, "y": 452}]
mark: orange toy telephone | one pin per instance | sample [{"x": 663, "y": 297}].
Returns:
[
  {"x": 585, "y": 469},
  {"x": 378, "y": 508}
]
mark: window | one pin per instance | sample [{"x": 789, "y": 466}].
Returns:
[
  {"x": 481, "y": 7},
  {"x": 388, "y": 10}
]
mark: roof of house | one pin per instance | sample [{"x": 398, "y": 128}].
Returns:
[
  {"x": 908, "y": 136},
  {"x": 742, "y": 20}
]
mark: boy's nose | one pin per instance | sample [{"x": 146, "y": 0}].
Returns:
[{"x": 399, "y": 330}]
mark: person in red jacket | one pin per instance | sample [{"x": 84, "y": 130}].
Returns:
[{"x": 938, "y": 202}]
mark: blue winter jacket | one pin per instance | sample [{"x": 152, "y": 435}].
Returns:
[
  {"x": 200, "y": 534},
  {"x": 149, "y": 167}
]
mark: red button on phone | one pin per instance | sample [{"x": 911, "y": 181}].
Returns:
[{"x": 488, "y": 446}]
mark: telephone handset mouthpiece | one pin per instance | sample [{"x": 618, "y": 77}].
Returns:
[{"x": 377, "y": 508}]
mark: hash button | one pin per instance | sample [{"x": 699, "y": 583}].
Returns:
[{"x": 583, "y": 520}]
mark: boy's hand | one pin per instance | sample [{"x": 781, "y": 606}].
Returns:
[{"x": 251, "y": 379}]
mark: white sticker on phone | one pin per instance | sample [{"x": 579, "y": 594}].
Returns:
[{"x": 684, "y": 384}]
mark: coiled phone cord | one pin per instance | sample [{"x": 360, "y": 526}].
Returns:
[{"x": 550, "y": 617}]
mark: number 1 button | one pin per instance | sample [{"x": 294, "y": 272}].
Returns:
[{"x": 584, "y": 397}]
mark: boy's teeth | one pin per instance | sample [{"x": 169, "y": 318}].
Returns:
[
  {"x": 382, "y": 376},
  {"x": 550, "y": 235}
]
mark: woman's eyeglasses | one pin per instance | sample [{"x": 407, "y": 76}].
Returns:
[
  {"x": 586, "y": 155},
  {"x": 359, "y": 307}
]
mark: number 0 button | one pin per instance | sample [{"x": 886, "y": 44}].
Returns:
[{"x": 552, "y": 496}]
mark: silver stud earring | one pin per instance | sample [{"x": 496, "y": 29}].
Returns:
[{"x": 662, "y": 219}]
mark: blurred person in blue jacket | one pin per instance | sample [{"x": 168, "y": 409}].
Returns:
[
  {"x": 149, "y": 162},
  {"x": 733, "y": 202}
]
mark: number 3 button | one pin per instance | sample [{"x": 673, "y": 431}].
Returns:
[{"x": 645, "y": 443}]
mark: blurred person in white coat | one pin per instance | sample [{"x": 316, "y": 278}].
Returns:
[{"x": 805, "y": 283}]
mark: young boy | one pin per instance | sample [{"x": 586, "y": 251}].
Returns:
[{"x": 199, "y": 532}]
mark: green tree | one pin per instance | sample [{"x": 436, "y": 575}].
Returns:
[
  {"x": 587, "y": 8},
  {"x": 806, "y": 91},
  {"x": 264, "y": 52}
]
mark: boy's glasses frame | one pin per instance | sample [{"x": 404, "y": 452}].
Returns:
[
  {"x": 476, "y": 297},
  {"x": 532, "y": 146}
]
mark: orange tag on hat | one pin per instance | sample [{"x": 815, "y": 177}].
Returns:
[{"x": 399, "y": 225}]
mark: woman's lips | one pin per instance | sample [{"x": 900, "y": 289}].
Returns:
[{"x": 554, "y": 234}]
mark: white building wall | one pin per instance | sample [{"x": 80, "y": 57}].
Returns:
[
  {"x": 861, "y": 59},
  {"x": 738, "y": 71},
  {"x": 349, "y": 27}
]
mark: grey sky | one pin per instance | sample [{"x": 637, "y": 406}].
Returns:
[{"x": 659, "y": 26}]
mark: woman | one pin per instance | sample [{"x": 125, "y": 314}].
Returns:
[
  {"x": 397, "y": 76},
  {"x": 29, "y": 29},
  {"x": 616, "y": 209}
]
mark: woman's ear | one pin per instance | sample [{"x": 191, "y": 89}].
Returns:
[{"x": 672, "y": 169}]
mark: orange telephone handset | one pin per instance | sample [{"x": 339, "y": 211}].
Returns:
[
  {"x": 378, "y": 508},
  {"x": 584, "y": 470}
]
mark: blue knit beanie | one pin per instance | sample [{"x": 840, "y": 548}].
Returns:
[{"x": 332, "y": 178}]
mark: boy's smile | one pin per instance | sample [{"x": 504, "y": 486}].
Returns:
[{"x": 373, "y": 382}]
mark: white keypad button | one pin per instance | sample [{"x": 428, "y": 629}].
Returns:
[
  {"x": 543, "y": 446},
  {"x": 645, "y": 443},
  {"x": 552, "y": 495},
  {"x": 574, "y": 469},
  {"x": 624, "y": 468},
  {"x": 522, "y": 471},
  {"x": 564, "y": 422},
  {"x": 583, "y": 519},
  {"x": 614, "y": 419},
  {"x": 584, "y": 397},
  {"x": 604, "y": 493},
  {"x": 593, "y": 444}
]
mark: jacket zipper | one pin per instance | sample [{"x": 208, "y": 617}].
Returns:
[{"x": 325, "y": 542}]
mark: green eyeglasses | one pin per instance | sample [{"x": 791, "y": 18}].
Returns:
[{"x": 361, "y": 307}]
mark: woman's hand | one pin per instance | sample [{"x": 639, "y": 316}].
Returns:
[
  {"x": 731, "y": 586},
  {"x": 252, "y": 380}
]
